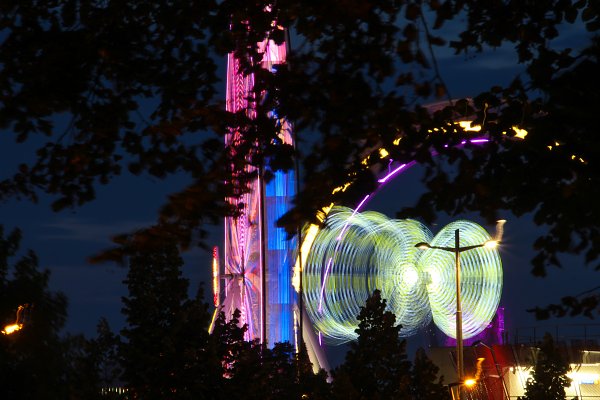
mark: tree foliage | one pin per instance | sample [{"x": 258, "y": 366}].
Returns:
[
  {"x": 32, "y": 362},
  {"x": 252, "y": 370},
  {"x": 164, "y": 351},
  {"x": 549, "y": 378},
  {"x": 376, "y": 366},
  {"x": 127, "y": 87},
  {"x": 94, "y": 365},
  {"x": 426, "y": 384},
  {"x": 167, "y": 351}
]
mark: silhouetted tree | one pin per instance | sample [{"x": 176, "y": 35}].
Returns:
[
  {"x": 549, "y": 377},
  {"x": 312, "y": 386},
  {"x": 228, "y": 339},
  {"x": 290, "y": 375},
  {"x": 425, "y": 382},
  {"x": 376, "y": 365},
  {"x": 95, "y": 365},
  {"x": 165, "y": 343},
  {"x": 252, "y": 370},
  {"x": 32, "y": 361},
  {"x": 104, "y": 351},
  {"x": 261, "y": 372}
]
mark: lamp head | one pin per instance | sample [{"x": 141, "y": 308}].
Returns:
[
  {"x": 422, "y": 246},
  {"x": 470, "y": 382},
  {"x": 491, "y": 244}
]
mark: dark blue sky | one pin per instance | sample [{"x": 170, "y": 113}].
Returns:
[{"x": 64, "y": 240}]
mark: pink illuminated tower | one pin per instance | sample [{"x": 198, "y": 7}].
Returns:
[{"x": 258, "y": 260}]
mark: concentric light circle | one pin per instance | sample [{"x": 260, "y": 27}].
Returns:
[
  {"x": 356, "y": 253},
  {"x": 481, "y": 279}
]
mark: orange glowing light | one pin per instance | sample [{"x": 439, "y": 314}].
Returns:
[
  {"x": 470, "y": 382},
  {"x": 8, "y": 329},
  {"x": 215, "y": 282},
  {"x": 18, "y": 325}
]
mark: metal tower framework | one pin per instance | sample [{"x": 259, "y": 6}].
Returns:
[{"x": 259, "y": 260}]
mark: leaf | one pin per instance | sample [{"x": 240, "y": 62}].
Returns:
[
  {"x": 588, "y": 13},
  {"x": 593, "y": 25},
  {"x": 571, "y": 14},
  {"x": 410, "y": 32},
  {"x": 436, "y": 40},
  {"x": 412, "y": 11},
  {"x": 68, "y": 12}
]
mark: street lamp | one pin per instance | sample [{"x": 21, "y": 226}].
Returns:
[
  {"x": 18, "y": 325},
  {"x": 457, "y": 249},
  {"x": 455, "y": 387}
]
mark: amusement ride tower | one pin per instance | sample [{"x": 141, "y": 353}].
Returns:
[{"x": 259, "y": 260}]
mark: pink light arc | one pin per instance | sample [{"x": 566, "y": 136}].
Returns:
[{"x": 382, "y": 182}]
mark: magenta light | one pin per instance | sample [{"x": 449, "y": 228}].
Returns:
[
  {"x": 391, "y": 174},
  {"x": 358, "y": 207},
  {"x": 361, "y": 203},
  {"x": 329, "y": 262},
  {"x": 339, "y": 238}
]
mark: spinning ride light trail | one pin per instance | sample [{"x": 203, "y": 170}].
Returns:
[
  {"x": 356, "y": 253},
  {"x": 481, "y": 279},
  {"x": 312, "y": 231},
  {"x": 373, "y": 253}
]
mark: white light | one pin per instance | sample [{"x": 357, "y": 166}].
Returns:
[
  {"x": 490, "y": 244},
  {"x": 584, "y": 377},
  {"x": 434, "y": 278},
  {"x": 470, "y": 382},
  {"x": 410, "y": 276}
]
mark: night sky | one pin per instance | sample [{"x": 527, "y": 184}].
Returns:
[{"x": 64, "y": 240}]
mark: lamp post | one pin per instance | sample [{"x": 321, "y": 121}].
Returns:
[{"x": 490, "y": 244}]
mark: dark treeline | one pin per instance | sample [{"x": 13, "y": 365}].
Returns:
[{"x": 165, "y": 351}]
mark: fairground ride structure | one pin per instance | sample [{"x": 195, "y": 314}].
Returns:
[
  {"x": 262, "y": 268},
  {"x": 258, "y": 258},
  {"x": 357, "y": 253}
]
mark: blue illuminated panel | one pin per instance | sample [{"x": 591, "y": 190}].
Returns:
[{"x": 280, "y": 259}]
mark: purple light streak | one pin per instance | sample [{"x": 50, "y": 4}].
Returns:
[{"x": 382, "y": 182}]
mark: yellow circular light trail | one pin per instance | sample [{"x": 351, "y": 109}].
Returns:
[{"x": 356, "y": 253}]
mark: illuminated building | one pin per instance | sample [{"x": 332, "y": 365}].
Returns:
[{"x": 506, "y": 367}]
